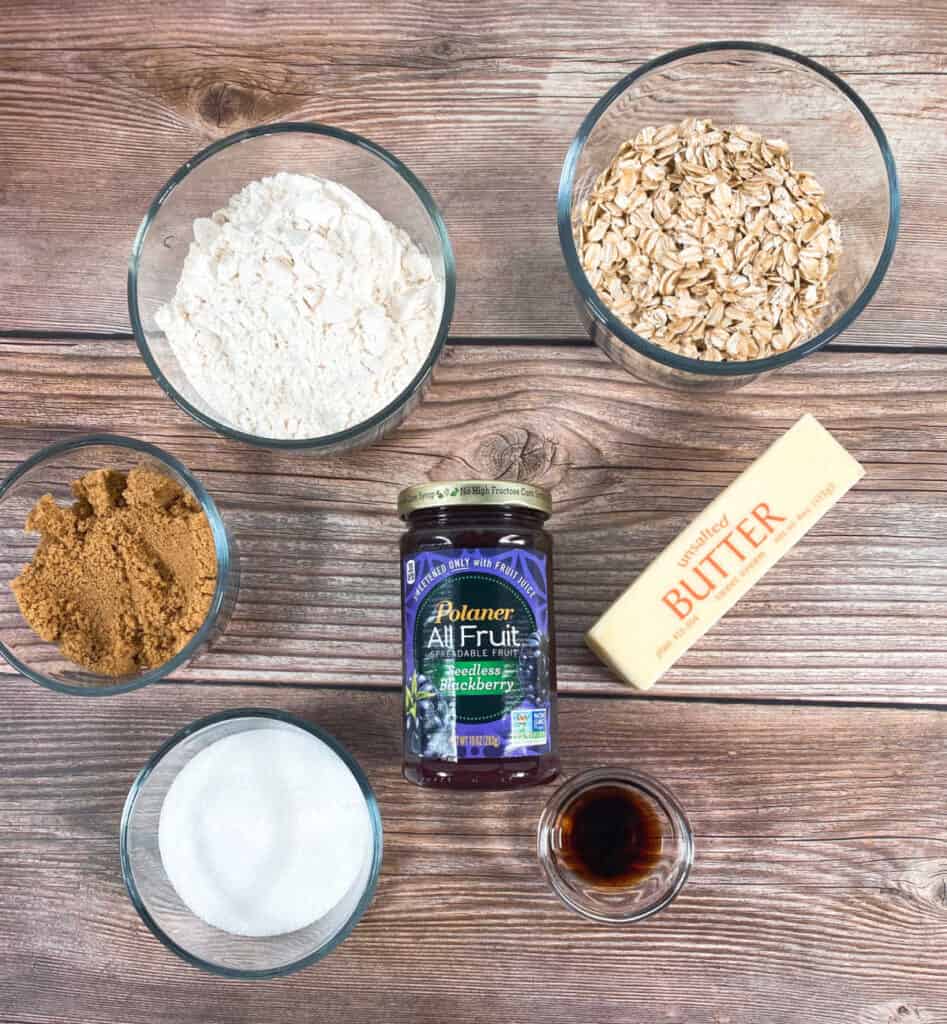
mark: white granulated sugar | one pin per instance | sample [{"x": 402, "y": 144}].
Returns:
[
  {"x": 300, "y": 310},
  {"x": 264, "y": 832}
]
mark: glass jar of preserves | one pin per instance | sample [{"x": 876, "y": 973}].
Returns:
[{"x": 478, "y": 632}]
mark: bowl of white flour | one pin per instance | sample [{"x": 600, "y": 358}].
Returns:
[
  {"x": 292, "y": 286},
  {"x": 251, "y": 843}
]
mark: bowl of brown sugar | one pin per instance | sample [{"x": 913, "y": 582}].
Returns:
[{"x": 116, "y": 567}]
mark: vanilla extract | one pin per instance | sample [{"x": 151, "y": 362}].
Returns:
[{"x": 610, "y": 836}]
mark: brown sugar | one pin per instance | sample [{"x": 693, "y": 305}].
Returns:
[{"x": 123, "y": 578}]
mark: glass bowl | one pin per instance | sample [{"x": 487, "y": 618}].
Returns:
[
  {"x": 158, "y": 903},
  {"x": 830, "y": 131},
  {"x": 611, "y": 904},
  {"x": 206, "y": 183},
  {"x": 51, "y": 471}
]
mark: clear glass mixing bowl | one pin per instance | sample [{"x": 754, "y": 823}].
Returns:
[
  {"x": 156, "y": 900},
  {"x": 51, "y": 471},
  {"x": 830, "y": 131},
  {"x": 206, "y": 183},
  {"x": 609, "y": 904}
]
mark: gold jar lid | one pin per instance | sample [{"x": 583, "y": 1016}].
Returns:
[{"x": 441, "y": 494}]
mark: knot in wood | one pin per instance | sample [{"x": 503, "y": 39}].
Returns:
[
  {"x": 224, "y": 105},
  {"x": 893, "y": 1012},
  {"x": 517, "y": 454},
  {"x": 444, "y": 49}
]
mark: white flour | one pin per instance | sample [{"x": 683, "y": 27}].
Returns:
[{"x": 300, "y": 310}]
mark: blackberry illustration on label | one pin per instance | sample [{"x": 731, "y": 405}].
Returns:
[{"x": 476, "y": 654}]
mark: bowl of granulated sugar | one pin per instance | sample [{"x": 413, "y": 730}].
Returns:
[
  {"x": 251, "y": 843},
  {"x": 292, "y": 286}
]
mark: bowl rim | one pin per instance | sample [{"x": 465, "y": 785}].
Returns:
[
  {"x": 365, "y": 427},
  {"x": 641, "y": 781},
  {"x": 373, "y": 812},
  {"x": 606, "y": 319},
  {"x": 221, "y": 548}
]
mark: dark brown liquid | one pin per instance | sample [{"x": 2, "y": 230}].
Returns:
[{"x": 610, "y": 836}]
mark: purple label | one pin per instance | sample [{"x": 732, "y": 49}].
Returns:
[{"x": 476, "y": 654}]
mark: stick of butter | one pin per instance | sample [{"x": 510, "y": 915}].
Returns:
[{"x": 713, "y": 562}]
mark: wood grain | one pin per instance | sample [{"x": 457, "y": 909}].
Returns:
[
  {"x": 857, "y": 611},
  {"x": 101, "y": 102},
  {"x": 817, "y": 894}
]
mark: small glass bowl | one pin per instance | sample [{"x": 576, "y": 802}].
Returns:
[
  {"x": 206, "y": 183},
  {"x": 51, "y": 471},
  {"x": 830, "y": 131},
  {"x": 613, "y": 905},
  {"x": 160, "y": 907}
]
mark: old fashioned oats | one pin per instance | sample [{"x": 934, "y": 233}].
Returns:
[{"x": 709, "y": 242}]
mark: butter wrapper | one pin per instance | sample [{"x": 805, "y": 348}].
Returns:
[{"x": 716, "y": 559}]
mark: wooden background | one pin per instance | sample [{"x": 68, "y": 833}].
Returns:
[{"x": 806, "y": 734}]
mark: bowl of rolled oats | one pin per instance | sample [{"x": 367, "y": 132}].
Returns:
[{"x": 725, "y": 210}]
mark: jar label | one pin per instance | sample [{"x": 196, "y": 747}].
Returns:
[{"x": 476, "y": 651}]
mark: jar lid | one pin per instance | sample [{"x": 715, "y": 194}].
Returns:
[{"x": 441, "y": 494}]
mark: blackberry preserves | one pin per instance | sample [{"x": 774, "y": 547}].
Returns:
[{"x": 479, "y": 647}]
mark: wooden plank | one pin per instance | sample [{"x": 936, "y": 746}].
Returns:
[
  {"x": 100, "y": 103},
  {"x": 817, "y": 893},
  {"x": 857, "y": 611}
]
